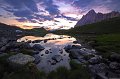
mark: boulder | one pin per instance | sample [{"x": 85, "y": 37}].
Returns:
[
  {"x": 114, "y": 65},
  {"x": 20, "y": 59},
  {"x": 38, "y": 47},
  {"x": 115, "y": 57}
]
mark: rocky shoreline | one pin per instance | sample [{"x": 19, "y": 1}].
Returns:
[{"x": 21, "y": 53}]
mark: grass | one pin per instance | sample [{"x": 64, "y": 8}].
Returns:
[{"x": 103, "y": 36}]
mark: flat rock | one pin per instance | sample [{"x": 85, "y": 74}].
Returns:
[{"x": 20, "y": 59}]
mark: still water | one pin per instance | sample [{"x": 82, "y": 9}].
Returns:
[{"x": 54, "y": 55}]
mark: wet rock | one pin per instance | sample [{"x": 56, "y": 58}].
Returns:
[
  {"x": 61, "y": 51},
  {"x": 47, "y": 52},
  {"x": 26, "y": 46},
  {"x": 76, "y": 46},
  {"x": 68, "y": 47},
  {"x": 95, "y": 60},
  {"x": 57, "y": 58},
  {"x": 45, "y": 41},
  {"x": 36, "y": 41},
  {"x": 75, "y": 42},
  {"x": 37, "y": 59},
  {"x": 20, "y": 59},
  {"x": 38, "y": 47}
]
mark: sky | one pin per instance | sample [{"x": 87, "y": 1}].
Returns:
[{"x": 51, "y": 14}]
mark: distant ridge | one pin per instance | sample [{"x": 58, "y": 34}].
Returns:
[{"x": 93, "y": 17}]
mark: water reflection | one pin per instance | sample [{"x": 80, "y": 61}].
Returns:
[{"x": 54, "y": 55}]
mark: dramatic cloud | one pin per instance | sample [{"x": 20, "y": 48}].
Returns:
[{"x": 52, "y": 13}]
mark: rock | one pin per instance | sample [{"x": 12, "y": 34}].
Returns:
[
  {"x": 98, "y": 68},
  {"x": 114, "y": 65},
  {"x": 57, "y": 58},
  {"x": 68, "y": 47},
  {"x": 47, "y": 52},
  {"x": 95, "y": 60},
  {"x": 115, "y": 57},
  {"x": 45, "y": 41},
  {"x": 20, "y": 59},
  {"x": 82, "y": 60},
  {"x": 38, "y": 47},
  {"x": 76, "y": 46},
  {"x": 3, "y": 49},
  {"x": 74, "y": 53},
  {"x": 37, "y": 59},
  {"x": 26, "y": 46},
  {"x": 36, "y": 41},
  {"x": 75, "y": 42},
  {"x": 85, "y": 51}
]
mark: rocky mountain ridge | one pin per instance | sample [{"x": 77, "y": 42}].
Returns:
[{"x": 93, "y": 17}]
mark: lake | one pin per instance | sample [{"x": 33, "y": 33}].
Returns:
[{"x": 54, "y": 54}]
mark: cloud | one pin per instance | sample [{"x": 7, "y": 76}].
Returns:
[
  {"x": 50, "y": 7},
  {"x": 18, "y": 4}
]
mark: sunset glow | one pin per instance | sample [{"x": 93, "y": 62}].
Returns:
[{"x": 52, "y": 14}]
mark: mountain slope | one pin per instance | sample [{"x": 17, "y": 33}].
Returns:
[
  {"x": 10, "y": 31},
  {"x": 93, "y": 17},
  {"x": 107, "y": 26}
]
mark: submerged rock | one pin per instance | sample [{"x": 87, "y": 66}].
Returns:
[
  {"x": 38, "y": 47},
  {"x": 57, "y": 58}
]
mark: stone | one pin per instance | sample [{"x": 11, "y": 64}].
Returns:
[
  {"x": 76, "y": 46},
  {"x": 68, "y": 47},
  {"x": 57, "y": 58},
  {"x": 38, "y": 47},
  {"x": 114, "y": 65},
  {"x": 37, "y": 59},
  {"x": 20, "y": 59},
  {"x": 74, "y": 53},
  {"x": 3, "y": 49},
  {"x": 115, "y": 57},
  {"x": 85, "y": 51},
  {"x": 98, "y": 68},
  {"x": 95, "y": 60},
  {"x": 47, "y": 52},
  {"x": 75, "y": 42}
]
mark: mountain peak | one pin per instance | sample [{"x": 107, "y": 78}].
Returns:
[
  {"x": 92, "y": 17},
  {"x": 92, "y": 12}
]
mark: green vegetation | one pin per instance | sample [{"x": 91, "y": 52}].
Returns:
[
  {"x": 36, "y": 32},
  {"x": 10, "y": 31},
  {"x": 30, "y": 71},
  {"x": 104, "y": 36}
]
